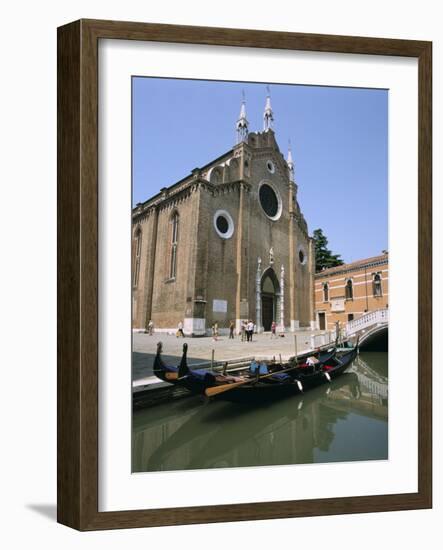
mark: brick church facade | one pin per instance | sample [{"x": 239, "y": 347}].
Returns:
[{"x": 226, "y": 243}]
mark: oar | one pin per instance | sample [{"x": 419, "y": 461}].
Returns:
[{"x": 214, "y": 390}]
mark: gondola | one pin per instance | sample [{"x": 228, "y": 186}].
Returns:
[
  {"x": 194, "y": 380},
  {"x": 160, "y": 368},
  {"x": 198, "y": 380},
  {"x": 331, "y": 369},
  {"x": 286, "y": 383}
]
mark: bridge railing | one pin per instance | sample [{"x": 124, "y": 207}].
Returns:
[
  {"x": 320, "y": 340},
  {"x": 372, "y": 318}
]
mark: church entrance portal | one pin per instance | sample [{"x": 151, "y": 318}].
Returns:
[
  {"x": 267, "y": 304},
  {"x": 270, "y": 298}
]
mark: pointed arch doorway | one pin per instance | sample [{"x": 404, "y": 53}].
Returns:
[{"x": 270, "y": 298}]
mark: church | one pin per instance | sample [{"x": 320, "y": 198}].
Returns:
[{"x": 227, "y": 243}]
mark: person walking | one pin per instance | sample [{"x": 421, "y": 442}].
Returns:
[
  {"x": 273, "y": 329},
  {"x": 151, "y": 328},
  {"x": 249, "y": 330},
  {"x": 180, "y": 330},
  {"x": 243, "y": 330},
  {"x": 337, "y": 332},
  {"x": 231, "y": 330},
  {"x": 215, "y": 331}
]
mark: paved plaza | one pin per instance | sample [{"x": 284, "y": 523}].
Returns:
[{"x": 225, "y": 349}]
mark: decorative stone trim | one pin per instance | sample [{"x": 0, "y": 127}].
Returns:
[
  {"x": 278, "y": 196},
  {"x": 225, "y": 214}
]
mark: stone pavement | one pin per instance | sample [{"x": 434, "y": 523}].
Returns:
[{"x": 200, "y": 349}]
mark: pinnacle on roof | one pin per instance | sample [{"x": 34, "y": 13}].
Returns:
[
  {"x": 242, "y": 122},
  {"x": 268, "y": 115},
  {"x": 290, "y": 163}
]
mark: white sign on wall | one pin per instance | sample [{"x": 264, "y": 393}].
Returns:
[
  {"x": 338, "y": 305},
  {"x": 220, "y": 306}
]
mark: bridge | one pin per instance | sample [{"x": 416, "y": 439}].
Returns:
[{"x": 372, "y": 328}]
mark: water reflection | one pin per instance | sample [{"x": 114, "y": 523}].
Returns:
[{"x": 342, "y": 421}]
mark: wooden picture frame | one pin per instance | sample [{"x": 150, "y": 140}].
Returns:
[{"x": 78, "y": 274}]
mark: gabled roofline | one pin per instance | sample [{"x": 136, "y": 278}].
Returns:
[
  {"x": 181, "y": 181},
  {"x": 197, "y": 171},
  {"x": 373, "y": 261}
]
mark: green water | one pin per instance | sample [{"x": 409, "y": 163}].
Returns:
[{"x": 342, "y": 421}]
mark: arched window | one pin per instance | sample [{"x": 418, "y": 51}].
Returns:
[
  {"x": 326, "y": 292},
  {"x": 376, "y": 285},
  {"x": 349, "y": 293},
  {"x": 216, "y": 175},
  {"x": 137, "y": 253},
  {"x": 174, "y": 242}
]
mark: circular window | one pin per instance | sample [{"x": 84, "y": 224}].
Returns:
[
  {"x": 270, "y": 201},
  {"x": 223, "y": 224},
  {"x": 270, "y": 166},
  {"x": 301, "y": 255}
]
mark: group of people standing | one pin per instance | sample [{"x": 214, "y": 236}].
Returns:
[{"x": 247, "y": 329}]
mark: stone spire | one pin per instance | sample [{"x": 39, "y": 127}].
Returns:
[
  {"x": 242, "y": 123},
  {"x": 290, "y": 163},
  {"x": 268, "y": 116}
]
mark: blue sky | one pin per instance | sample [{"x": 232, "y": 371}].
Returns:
[{"x": 339, "y": 139}]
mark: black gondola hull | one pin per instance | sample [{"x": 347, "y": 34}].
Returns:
[{"x": 269, "y": 390}]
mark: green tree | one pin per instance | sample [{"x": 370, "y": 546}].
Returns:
[{"x": 324, "y": 258}]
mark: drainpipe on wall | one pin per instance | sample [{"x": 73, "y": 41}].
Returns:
[{"x": 366, "y": 286}]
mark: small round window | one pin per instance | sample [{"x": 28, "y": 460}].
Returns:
[
  {"x": 270, "y": 166},
  {"x": 301, "y": 255},
  {"x": 223, "y": 224},
  {"x": 270, "y": 201}
]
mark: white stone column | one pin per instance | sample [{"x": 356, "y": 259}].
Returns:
[
  {"x": 282, "y": 299},
  {"x": 258, "y": 296}
]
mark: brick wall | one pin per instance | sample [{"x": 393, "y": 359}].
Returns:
[{"x": 340, "y": 306}]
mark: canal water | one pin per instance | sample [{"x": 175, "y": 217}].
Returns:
[{"x": 345, "y": 420}]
